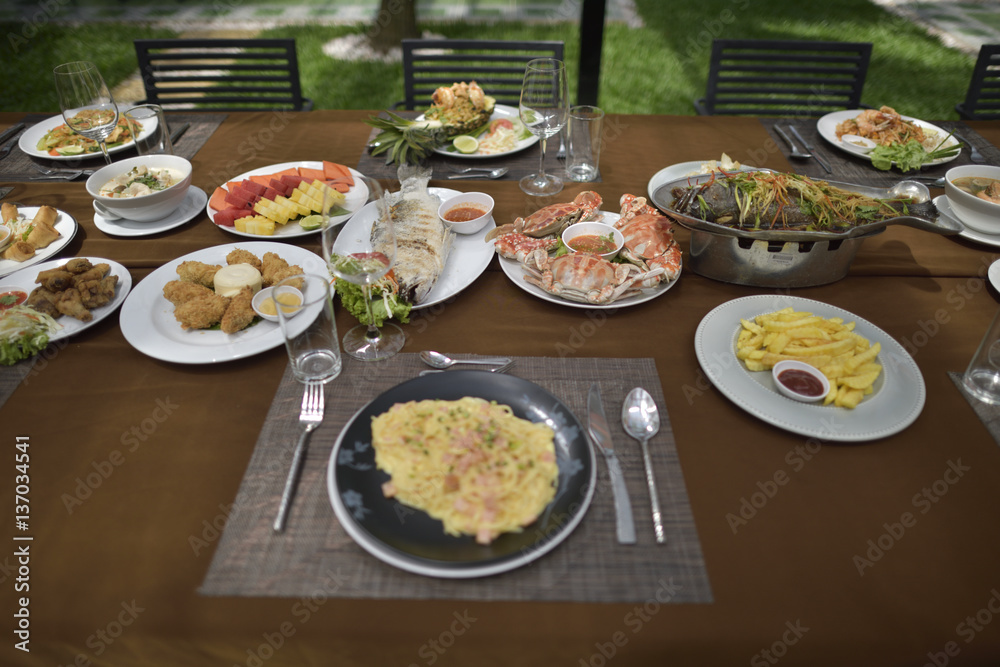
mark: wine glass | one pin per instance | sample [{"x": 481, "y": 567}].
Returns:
[
  {"x": 86, "y": 103},
  {"x": 543, "y": 111},
  {"x": 362, "y": 251}
]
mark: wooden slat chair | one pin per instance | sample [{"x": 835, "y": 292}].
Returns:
[
  {"x": 982, "y": 101},
  {"x": 496, "y": 65},
  {"x": 784, "y": 77},
  {"x": 221, "y": 74}
]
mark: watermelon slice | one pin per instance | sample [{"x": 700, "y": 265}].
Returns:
[
  {"x": 253, "y": 187},
  {"x": 228, "y": 217},
  {"x": 237, "y": 199},
  {"x": 279, "y": 187},
  {"x": 292, "y": 181}
]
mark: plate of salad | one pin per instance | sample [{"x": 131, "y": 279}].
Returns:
[
  {"x": 503, "y": 135},
  {"x": 888, "y": 139},
  {"x": 53, "y": 140}
]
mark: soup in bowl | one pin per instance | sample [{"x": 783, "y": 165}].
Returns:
[
  {"x": 969, "y": 189},
  {"x": 144, "y": 188}
]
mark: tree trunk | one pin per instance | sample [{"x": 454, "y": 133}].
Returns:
[{"x": 396, "y": 20}]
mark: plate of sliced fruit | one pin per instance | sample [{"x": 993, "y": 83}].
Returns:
[{"x": 280, "y": 200}]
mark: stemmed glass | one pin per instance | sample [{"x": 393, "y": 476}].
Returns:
[
  {"x": 363, "y": 259},
  {"x": 543, "y": 111},
  {"x": 86, "y": 103}
]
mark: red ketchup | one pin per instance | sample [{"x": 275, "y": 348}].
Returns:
[
  {"x": 801, "y": 382},
  {"x": 12, "y": 298}
]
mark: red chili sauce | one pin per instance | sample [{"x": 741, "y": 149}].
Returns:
[
  {"x": 592, "y": 243},
  {"x": 801, "y": 382},
  {"x": 12, "y": 298},
  {"x": 464, "y": 213}
]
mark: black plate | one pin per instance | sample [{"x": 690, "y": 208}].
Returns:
[{"x": 410, "y": 539}]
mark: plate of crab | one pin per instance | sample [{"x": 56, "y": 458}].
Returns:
[{"x": 648, "y": 264}]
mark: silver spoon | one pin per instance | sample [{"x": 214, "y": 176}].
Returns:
[
  {"x": 438, "y": 360},
  {"x": 791, "y": 144},
  {"x": 641, "y": 421},
  {"x": 493, "y": 173}
]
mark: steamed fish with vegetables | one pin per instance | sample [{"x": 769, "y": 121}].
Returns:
[{"x": 764, "y": 200}]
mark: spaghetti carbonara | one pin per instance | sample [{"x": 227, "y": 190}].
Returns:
[{"x": 470, "y": 463}]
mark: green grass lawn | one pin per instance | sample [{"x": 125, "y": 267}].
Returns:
[{"x": 659, "y": 68}]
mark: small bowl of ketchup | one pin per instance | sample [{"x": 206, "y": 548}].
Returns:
[
  {"x": 596, "y": 238},
  {"x": 800, "y": 381},
  {"x": 467, "y": 213},
  {"x": 11, "y": 295}
]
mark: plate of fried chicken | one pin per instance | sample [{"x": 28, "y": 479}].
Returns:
[
  {"x": 78, "y": 293},
  {"x": 177, "y": 314}
]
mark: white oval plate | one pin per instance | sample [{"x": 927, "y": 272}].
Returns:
[
  {"x": 470, "y": 253},
  {"x": 827, "y": 127},
  {"x": 25, "y": 279},
  {"x": 899, "y": 392},
  {"x": 30, "y": 138},
  {"x": 148, "y": 322},
  {"x": 66, "y": 225},
  {"x": 945, "y": 209},
  {"x": 499, "y": 111},
  {"x": 193, "y": 204},
  {"x": 515, "y": 272},
  {"x": 354, "y": 199}
]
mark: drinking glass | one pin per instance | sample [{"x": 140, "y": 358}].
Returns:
[
  {"x": 543, "y": 111},
  {"x": 368, "y": 257},
  {"x": 87, "y": 105}
]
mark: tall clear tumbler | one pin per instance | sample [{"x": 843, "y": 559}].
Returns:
[
  {"x": 309, "y": 328},
  {"x": 982, "y": 377}
]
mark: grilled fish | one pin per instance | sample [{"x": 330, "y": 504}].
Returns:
[{"x": 422, "y": 240}]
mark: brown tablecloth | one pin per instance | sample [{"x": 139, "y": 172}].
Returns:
[{"x": 882, "y": 553}]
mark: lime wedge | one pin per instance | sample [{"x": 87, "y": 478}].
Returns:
[
  {"x": 70, "y": 150},
  {"x": 465, "y": 144},
  {"x": 311, "y": 222}
]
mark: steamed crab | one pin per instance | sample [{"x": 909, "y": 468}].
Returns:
[
  {"x": 649, "y": 239},
  {"x": 541, "y": 229},
  {"x": 583, "y": 277}
]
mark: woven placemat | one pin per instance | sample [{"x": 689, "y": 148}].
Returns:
[
  {"x": 849, "y": 168},
  {"x": 11, "y": 377},
  {"x": 19, "y": 166},
  {"x": 519, "y": 164},
  {"x": 589, "y": 566},
  {"x": 988, "y": 414}
]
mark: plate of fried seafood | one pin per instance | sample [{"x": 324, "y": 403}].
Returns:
[
  {"x": 78, "y": 293},
  {"x": 197, "y": 308},
  {"x": 649, "y": 264},
  {"x": 37, "y": 233},
  {"x": 883, "y": 127},
  {"x": 879, "y": 388}
]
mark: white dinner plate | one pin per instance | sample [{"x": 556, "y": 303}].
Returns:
[
  {"x": 827, "y": 127},
  {"x": 193, "y": 204},
  {"x": 499, "y": 111},
  {"x": 993, "y": 273},
  {"x": 678, "y": 171},
  {"x": 29, "y": 140},
  {"x": 353, "y": 200},
  {"x": 66, "y": 226},
  {"x": 25, "y": 279},
  {"x": 148, "y": 322},
  {"x": 470, "y": 253},
  {"x": 516, "y": 273},
  {"x": 896, "y": 402},
  {"x": 944, "y": 208}
]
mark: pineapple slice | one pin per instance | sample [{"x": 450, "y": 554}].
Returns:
[
  {"x": 296, "y": 208},
  {"x": 271, "y": 211},
  {"x": 255, "y": 224},
  {"x": 302, "y": 198}
]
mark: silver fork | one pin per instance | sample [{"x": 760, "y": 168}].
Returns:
[
  {"x": 466, "y": 170},
  {"x": 310, "y": 416},
  {"x": 791, "y": 144},
  {"x": 60, "y": 174}
]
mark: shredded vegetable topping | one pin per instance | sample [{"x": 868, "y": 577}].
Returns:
[{"x": 24, "y": 332}]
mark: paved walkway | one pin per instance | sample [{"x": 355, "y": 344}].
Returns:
[{"x": 962, "y": 24}]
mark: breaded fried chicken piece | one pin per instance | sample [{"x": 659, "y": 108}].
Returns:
[
  {"x": 240, "y": 256},
  {"x": 271, "y": 265},
  {"x": 71, "y": 304},
  {"x": 78, "y": 265},
  {"x": 288, "y": 272},
  {"x": 179, "y": 291},
  {"x": 198, "y": 272},
  {"x": 55, "y": 280},
  {"x": 44, "y": 301},
  {"x": 240, "y": 312},
  {"x": 96, "y": 272},
  {"x": 201, "y": 312},
  {"x": 99, "y": 292}
]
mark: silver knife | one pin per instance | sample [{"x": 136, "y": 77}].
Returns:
[
  {"x": 178, "y": 131},
  {"x": 12, "y": 132},
  {"x": 819, "y": 158},
  {"x": 601, "y": 435}
]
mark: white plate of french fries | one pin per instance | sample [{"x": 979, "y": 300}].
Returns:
[{"x": 877, "y": 388}]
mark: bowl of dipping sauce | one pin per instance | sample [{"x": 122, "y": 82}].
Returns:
[
  {"x": 4, "y": 233},
  {"x": 973, "y": 192},
  {"x": 467, "y": 213},
  {"x": 863, "y": 144},
  {"x": 265, "y": 302},
  {"x": 10, "y": 296},
  {"x": 800, "y": 381},
  {"x": 143, "y": 189},
  {"x": 596, "y": 238}
]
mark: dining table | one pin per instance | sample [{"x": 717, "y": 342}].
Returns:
[{"x": 138, "y": 521}]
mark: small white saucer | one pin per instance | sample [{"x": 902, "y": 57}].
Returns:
[
  {"x": 193, "y": 204},
  {"x": 944, "y": 208}
]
